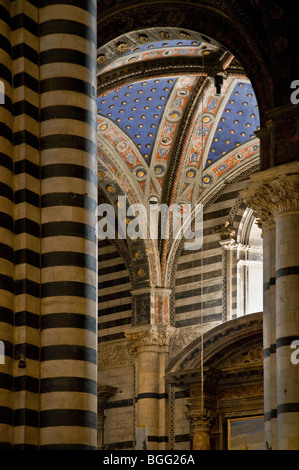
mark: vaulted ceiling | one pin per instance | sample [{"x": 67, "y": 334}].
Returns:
[{"x": 165, "y": 132}]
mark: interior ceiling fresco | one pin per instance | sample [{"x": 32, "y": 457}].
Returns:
[{"x": 166, "y": 134}]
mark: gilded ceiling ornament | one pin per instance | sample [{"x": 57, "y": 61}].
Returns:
[
  {"x": 185, "y": 35},
  {"x": 143, "y": 38},
  {"x": 101, "y": 59},
  {"x": 122, "y": 47},
  {"x": 164, "y": 35}
]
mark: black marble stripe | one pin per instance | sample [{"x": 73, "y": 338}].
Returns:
[
  {"x": 69, "y": 171},
  {"x": 26, "y": 286},
  {"x": 68, "y": 229},
  {"x": 24, "y": 107},
  {"x": 108, "y": 256},
  {"x": 25, "y": 417},
  {"x": 289, "y": 271},
  {"x": 115, "y": 295},
  {"x": 5, "y": 415},
  {"x": 269, "y": 284},
  {"x": 288, "y": 408},
  {"x": 114, "y": 323},
  {"x": 216, "y": 214},
  {"x": 74, "y": 28},
  {"x": 198, "y": 306},
  {"x": 27, "y": 226},
  {"x": 106, "y": 338},
  {"x": 67, "y": 84},
  {"x": 113, "y": 282},
  {"x": 6, "y": 283},
  {"x": 6, "y": 161},
  {"x": 112, "y": 269},
  {"x": 4, "y": 15},
  {"x": 5, "y": 73},
  {"x": 68, "y": 384},
  {"x": 182, "y": 394},
  {"x": 6, "y": 252},
  {"x": 24, "y": 21},
  {"x": 5, "y": 132},
  {"x": 182, "y": 438},
  {"x": 286, "y": 341},
  {"x": 23, "y": 50},
  {"x": 27, "y": 256},
  {"x": 68, "y": 200},
  {"x": 198, "y": 277},
  {"x": 69, "y": 320},
  {"x": 115, "y": 309},
  {"x": 197, "y": 320},
  {"x": 29, "y": 350},
  {"x": 69, "y": 112},
  {"x": 86, "y": 5},
  {"x": 68, "y": 417},
  {"x": 26, "y": 383},
  {"x": 25, "y": 79},
  {"x": 68, "y": 56},
  {"x": 156, "y": 396},
  {"x": 57, "y": 141},
  {"x": 270, "y": 350},
  {"x": 26, "y": 166},
  {"x": 5, "y": 45},
  {"x": 6, "y": 221},
  {"x": 157, "y": 438},
  {"x": 6, "y": 315},
  {"x": 27, "y": 318},
  {"x": 68, "y": 288},
  {"x": 6, "y": 381},
  {"x": 198, "y": 291},
  {"x": 119, "y": 404},
  {"x": 68, "y": 352},
  {"x": 25, "y": 195},
  {"x": 270, "y": 415},
  {"x": 69, "y": 258},
  {"x": 19, "y": 447},
  {"x": 198, "y": 262},
  {"x": 26, "y": 137}
]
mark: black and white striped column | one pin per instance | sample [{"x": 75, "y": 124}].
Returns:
[
  {"x": 6, "y": 228},
  {"x": 68, "y": 416},
  {"x": 269, "y": 333},
  {"x": 287, "y": 309}
]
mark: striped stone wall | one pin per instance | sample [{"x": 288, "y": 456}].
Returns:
[{"x": 48, "y": 250}]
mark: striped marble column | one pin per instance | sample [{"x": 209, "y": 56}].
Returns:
[
  {"x": 269, "y": 332},
  {"x": 286, "y": 190},
  {"x": 150, "y": 345},
  {"x": 26, "y": 130},
  {"x": 68, "y": 416},
  {"x": 6, "y": 228}
]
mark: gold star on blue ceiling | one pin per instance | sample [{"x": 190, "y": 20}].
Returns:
[{"x": 137, "y": 108}]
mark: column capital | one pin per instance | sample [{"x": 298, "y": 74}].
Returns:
[
  {"x": 201, "y": 419},
  {"x": 273, "y": 192},
  {"x": 150, "y": 338}
]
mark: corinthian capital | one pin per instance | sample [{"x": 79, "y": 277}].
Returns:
[
  {"x": 149, "y": 338},
  {"x": 273, "y": 192}
]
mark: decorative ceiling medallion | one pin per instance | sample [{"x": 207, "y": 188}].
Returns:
[
  {"x": 138, "y": 255},
  {"x": 174, "y": 115},
  {"x": 133, "y": 59},
  {"x": 183, "y": 92},
  {"x": 141, "y": 273},
  {"x": 110, "y": 188},
  {"x": 168, "y": 52},
  {"x": 165, "y": 140},
  {"x": 207, "y": 179},
  {"x": 140, "y": 173},
  {"x": 103, "y": 126},
  {"x": 122, "y": 146},
  {"x": 190, "y": 173},
  {"x": 159, "y": 170},
  {"x": 207, "y": 118},
  {"x": 101, "y": 174}
]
